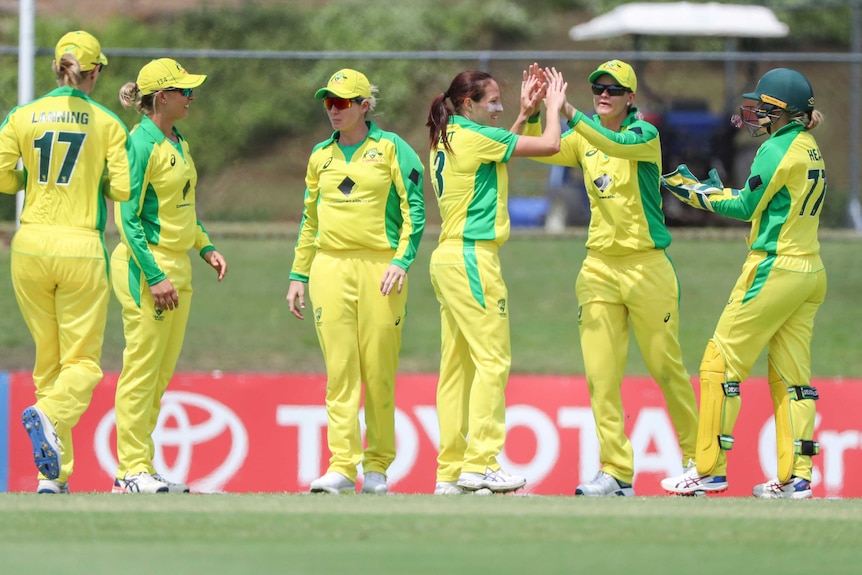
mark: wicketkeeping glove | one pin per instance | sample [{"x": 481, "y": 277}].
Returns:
[{"x": 685, "y": 186}]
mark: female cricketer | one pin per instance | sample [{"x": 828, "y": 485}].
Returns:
[
  {"x": 75, "y": 154},
  {"x": 363, "y": 219},
  {"x": 468, "y": 156},
  {"x": 777, "y": 295},
  {"x": 152, "y": 274},
  {"x": 627, "y": 277}
]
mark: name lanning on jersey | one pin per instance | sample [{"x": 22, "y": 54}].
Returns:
[{"x": 60, "y": 117}]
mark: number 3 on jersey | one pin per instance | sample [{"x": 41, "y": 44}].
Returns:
[
  {"x": 73, "y": 141},
  {"x": 439, "y": 163}
]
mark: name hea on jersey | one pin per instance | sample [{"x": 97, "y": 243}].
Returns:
[
  {"x": 449, "y": 135},
  {"x": 60, "y": 117}
]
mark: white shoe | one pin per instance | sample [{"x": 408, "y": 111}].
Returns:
[
  {"x": 448, "y": 488},
  {"x": 495, "y": 481},
  {"x": 172, "y": 487},
  {"x": 141, "y": 482},
  {"x": 693, "y": 483},
  {"x": 52, "y": 486},
  {"x": 796, "y": 488},
  {"x": 605, "y": 485},
  {"x": 334, "y": 483},
  {"x": 47, "y": 451},
  {"x": 375, "y": 483}
]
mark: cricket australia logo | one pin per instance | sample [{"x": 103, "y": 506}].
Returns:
[
  {"x": 501, "y": 305},
  {"x": 159, "y": 314},
  {"x": 317, "y": 314},
  {"x": 372, "y": 155}
]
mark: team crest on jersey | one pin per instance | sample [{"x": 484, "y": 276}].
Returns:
[
  {"x": 372, "y": 155},
  {"x": 159, "y": 314},
  {"x": 318, "y": 312},
  {"x": 501, "y": 305}
]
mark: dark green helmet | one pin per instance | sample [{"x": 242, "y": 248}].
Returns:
[{"x": 786, "y": 89}]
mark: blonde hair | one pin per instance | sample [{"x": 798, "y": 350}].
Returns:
[
  {"x": 68, "y": 71},
  {"x": 130, "y": 94},
  {"x": 372, "y": 99},
  {"x": 814, "y": 120}
]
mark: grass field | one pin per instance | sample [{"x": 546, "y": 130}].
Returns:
[
  {"x": 422, "y": 534},
  {"x": 243, "y": 323}
]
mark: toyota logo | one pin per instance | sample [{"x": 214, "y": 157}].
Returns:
[{"x": 184, "y": 435}]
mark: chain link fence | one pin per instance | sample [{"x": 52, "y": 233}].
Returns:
[{"x": 690, "y": 96}]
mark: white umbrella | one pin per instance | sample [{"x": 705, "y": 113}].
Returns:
[{"x": 683, "y": 19}]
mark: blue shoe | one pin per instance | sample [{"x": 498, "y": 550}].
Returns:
[{"x": 47, "y": 453}]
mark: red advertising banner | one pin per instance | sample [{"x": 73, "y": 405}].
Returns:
[{"x": 253, "y": 432}]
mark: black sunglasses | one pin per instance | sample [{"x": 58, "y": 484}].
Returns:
[{"x": 613, "y": 89}]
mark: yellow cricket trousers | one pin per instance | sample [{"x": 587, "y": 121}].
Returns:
[
  {"x": 773, "y": 303},
  {"x": 475, "y": 356},
  {"x": 640, "y": 289},
  {"x": 154, "y": 338},
  {"x": 61, "y": 281},
  {"x": 359, "y": 331}
]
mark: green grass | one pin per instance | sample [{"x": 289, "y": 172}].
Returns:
[
  {"x": 243, "y": 323},
  {"x": 96, "y": 534}
]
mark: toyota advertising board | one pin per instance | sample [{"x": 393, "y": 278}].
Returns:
[{"x": 254, "y": 432}]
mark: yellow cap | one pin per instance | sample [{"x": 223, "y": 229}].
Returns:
[
  {"x": 84, "y": 47},
  {"x": 166, "y": 73},
  {"x": 347, "y": 84},
  {"x": 619, "y": 71}
]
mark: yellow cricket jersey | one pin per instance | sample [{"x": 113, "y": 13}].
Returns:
[
  {"x": 472, "y": 182},
  {"x": 783, "y": 196},
  {"x": 67, "y": 143},
  {"x": 363, "y": 197},
  {"x": 161, "y": 211},
  {"x": 622, "y": 175}
]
